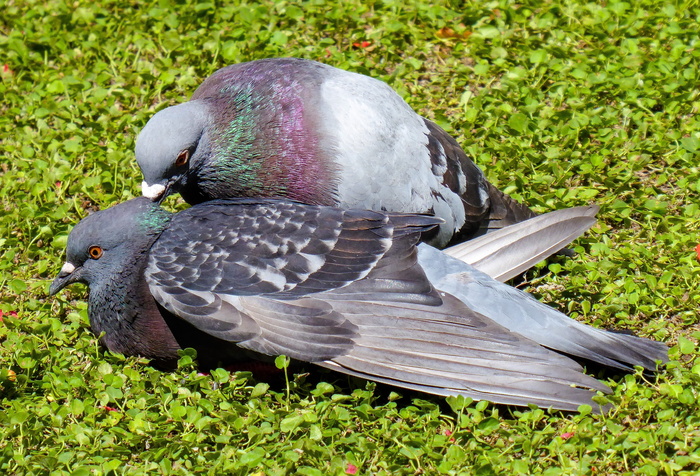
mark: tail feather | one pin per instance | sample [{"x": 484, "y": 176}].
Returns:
[
  {"x": 521, "y": 313},
  {"x": 508, "y": 252}
]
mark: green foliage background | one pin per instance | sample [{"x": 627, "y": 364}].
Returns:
[{"x": 562, "y": 103}]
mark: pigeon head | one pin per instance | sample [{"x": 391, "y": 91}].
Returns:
[
  {"x": 102, "y": 242},
  {"x": 170, "y": 147}
]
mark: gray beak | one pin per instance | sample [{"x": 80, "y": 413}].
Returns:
[{"x": 65, "y": 277}]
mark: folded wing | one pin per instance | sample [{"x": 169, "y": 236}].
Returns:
[
  {"x": 362, "y": 305},
  {"x": 521, "y": 313}
]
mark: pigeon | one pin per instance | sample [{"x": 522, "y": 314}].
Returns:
[
  {"x": 345, "y": 289},
  {"x": 302, "y": 130}
]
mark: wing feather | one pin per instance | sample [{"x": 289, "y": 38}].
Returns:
[
  {"x": 508, "y": 252},
  {"x": 523, "y": 314},
  {"x": 365, "y": 308}
]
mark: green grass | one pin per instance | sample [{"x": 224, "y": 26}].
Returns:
[{"x": 561, "y": 103}]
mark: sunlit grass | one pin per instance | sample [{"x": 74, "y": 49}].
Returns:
[{"x": 561, "y": 103}]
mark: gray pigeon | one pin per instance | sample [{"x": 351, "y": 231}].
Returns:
[
  {"x": 347, "y": 290},
  {"x": 302, "y": 130}
]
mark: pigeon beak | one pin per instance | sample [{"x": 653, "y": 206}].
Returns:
[
  {"x": 65, "y": 277},
  {"x": 155, "y": 192}
]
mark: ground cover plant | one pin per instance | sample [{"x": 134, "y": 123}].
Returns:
[{"x": 562, "y": 104}]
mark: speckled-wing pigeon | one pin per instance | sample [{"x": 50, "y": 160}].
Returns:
[
  {"x": 298, "y": 129},
  {"x": 343, "y": 289}
]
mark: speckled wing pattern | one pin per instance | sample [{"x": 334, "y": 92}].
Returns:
[
  {"x": 250, "y": 272},
  {"x": 343, "y": 289}
]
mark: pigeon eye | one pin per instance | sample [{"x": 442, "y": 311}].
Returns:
[
  {"x": 182, "y": 158},
  {"x": 95, "y": 252}
]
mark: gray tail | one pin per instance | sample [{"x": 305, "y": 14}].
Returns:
[
  {"x": 506, "y": 253},
  {"x": 521, "y": 313}
]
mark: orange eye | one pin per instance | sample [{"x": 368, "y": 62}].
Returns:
[
  {"x": 95, "y": 252},
  {"x": 182, "y": 158}
]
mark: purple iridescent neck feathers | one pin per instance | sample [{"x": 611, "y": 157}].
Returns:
[{"x": 303, "y": 130}]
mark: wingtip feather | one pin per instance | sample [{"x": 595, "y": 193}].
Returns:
[{"x": 505, "y": 253}]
